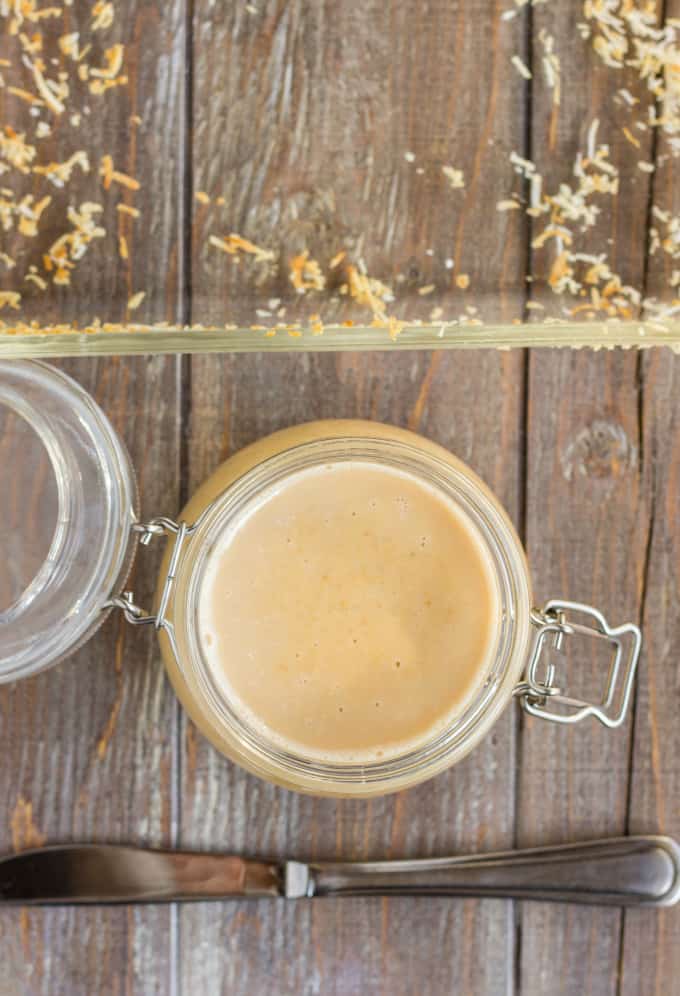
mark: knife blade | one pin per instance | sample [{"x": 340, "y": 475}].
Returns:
[
  {"x": 619, "y": 871},
  {"x": 104, "y": 873}
]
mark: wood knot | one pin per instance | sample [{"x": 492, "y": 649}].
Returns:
[{"x": 601, "y": 450}]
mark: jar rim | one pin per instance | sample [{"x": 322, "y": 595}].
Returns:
[{"x": 456, "y": 482}]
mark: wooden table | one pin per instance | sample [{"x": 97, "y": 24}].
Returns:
[{"x": 581, "y": 448}]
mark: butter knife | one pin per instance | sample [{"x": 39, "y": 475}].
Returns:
[{"x": 620, "y": 871}]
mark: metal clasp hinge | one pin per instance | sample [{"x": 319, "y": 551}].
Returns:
[
  {"x": 133, "y": 613},
  {"x": 539, "y": 694}
]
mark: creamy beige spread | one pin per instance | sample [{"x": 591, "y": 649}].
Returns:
[{"x": 350, "y": 613}]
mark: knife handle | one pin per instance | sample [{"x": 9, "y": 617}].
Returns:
[{"x": 623, "y": 871}]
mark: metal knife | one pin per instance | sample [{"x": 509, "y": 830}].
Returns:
[{"x": 620, "y": 871}]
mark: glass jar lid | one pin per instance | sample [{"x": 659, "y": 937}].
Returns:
[{"x": 69, "y": 498}]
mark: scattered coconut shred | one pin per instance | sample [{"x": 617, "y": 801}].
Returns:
[
  {"x": 57, "y": 72},
  {"x": 55, "y": 87},
  {"x": 305, "y": 273}
]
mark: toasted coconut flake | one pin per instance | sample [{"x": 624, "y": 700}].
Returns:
[
  {"x": 367, "y": 291},
  {"x": 113, "y": 59},
  {"x": 100, "y": 86},
  {"x": 551, "y": 65},
  {"x": 102, "y": 15},
  {"x": 35, "y": 278},
  {"x": 69, "y": 45},
  {"x": 234, "y": 244},
  {"x": 29, "y": 214},
  {"x": 202, "y": 197},
  {"x": 16, "y": 150},
  {"x": 665, "y": 238},
  {"x": 30, "y": 98},
  {"x": 630, "y": 137},
  {"x": 305, "y": 273},
  {"x": 522, "y": 166},
  {"x": 463, "y": 281},
  {"x": 31, "y": 45},
  {"x": 133, "y": 212},
  {"x": 10, "y": 299},
  {"x": 65, "y": 252},
  {"x": 428, "y": 289},
  {"x": 628, "y": 97},
  {"x": 123, "y": 247},
  {"x": 52, "y": 93},
  {"x": 337, "y": 259},
  {"x": 454, "y": 176},
  {"x": 135, "y": 301},
  {"x": 111, "y": 175},
  {"x": 507, "y": 205},
  {"x": 393, "y": 325},
  {"x": 60, "y": 173},
  {"x": 521, "y": 67}
]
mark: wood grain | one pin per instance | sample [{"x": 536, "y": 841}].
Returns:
[
  {"x": 587, "y": 515},
  {"x": 560, "y": 134},
  {"x": 650, "y": 960},
  {"x": 586, "y": 535},
  {"x": 650, "y": 957},
  {"x": 153, "y": 152},
  {"x": 90, "y": 746},
  {"x": 304, "y": 115},
  {"x": 353, "y": 947}
]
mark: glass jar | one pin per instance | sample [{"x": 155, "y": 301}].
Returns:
[
  {"x": 519, "y": 665},
  {"x": 69, "y": 501},
  {"x": 69, "y": 531}
]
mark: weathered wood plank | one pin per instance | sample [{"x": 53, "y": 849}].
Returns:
[
  {"x": 90, "y": 747},
  {"x": 586, "y": 506},
  {"x": 354, "y": 946},
  {"x": 650, "y": 960},
  {"x": 303, "y": 114},
  {"x": 586, "y": 536},
  {"x": 651, "y": 944}
]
